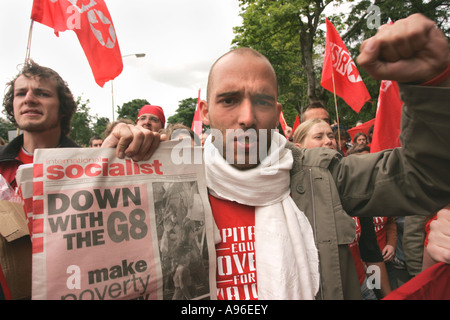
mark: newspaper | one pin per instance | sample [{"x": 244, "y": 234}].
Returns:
[{"x": 110, "y": 228}]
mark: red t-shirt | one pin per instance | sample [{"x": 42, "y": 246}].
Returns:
[
  {"x": 236, "y": 264},
  {"x": 25, "y": 157}
]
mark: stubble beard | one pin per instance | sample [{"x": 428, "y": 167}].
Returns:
[{"x": 235, "y": 153}]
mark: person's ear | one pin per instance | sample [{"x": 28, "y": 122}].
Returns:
[{"x": 204, "y": 111}]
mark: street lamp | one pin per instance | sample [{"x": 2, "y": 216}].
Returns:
[{"x": 137, "y": 55}]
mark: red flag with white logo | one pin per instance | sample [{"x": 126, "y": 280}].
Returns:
[
  {"x": 92, "y": 23},
  {"x": 339, "y": 73},
  {"x": 197, "y": 124}
]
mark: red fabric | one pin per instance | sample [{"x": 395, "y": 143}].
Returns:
[
  {"x": 361, "y": 128},
  {"x": 296, "y": 124},
  {"x": 283, "y": 122},
  {"x": 380, "y": 229},
  {"x": 337, "y": 62},
  {"x": 8, "y": 169},
  {"x": 386, "y": 131},
  {"x": 197, "y": 125},
  {"x": 431, "y": 284},
  {"x": 25, "y": 158},
  {"x": 94, "y": 28},
  {"x": 155, "y": 110},
  {"x": 5, "y": 293},
  {"x": 427, "y": 228},
  {"x": 354, "y": 248},
  {"x": 236, "y": 266},
  {"x": 438, "y": 79}
]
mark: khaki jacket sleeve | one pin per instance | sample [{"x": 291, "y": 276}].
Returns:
[{"x": 411, "y": 180}]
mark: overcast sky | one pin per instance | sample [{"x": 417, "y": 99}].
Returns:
[{"x": 181, "y": 39}]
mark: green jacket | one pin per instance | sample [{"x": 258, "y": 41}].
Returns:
[{"x": 411, "y": 180}]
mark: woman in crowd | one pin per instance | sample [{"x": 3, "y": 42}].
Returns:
[{"x": 315, "y": 133}]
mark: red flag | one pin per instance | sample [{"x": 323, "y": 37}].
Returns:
[
  {"x": 94, "y": 28},
  {"x": 364, "y": 128},
  {"x": 386, "y": 131},
  {"x": 197, "y": 124},
  {"x": 283, "y": 122},
  {"x": 338, "y": 64},
  {"x": 296, "y": 123}
]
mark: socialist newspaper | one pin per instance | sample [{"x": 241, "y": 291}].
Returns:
[{"x": 110, "y": 228}]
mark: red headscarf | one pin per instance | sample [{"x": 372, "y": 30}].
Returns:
[{"x": 156, "y": 110}]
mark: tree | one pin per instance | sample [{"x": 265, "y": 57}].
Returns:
[
  {"x": 80, "y": 126},
  {"x": 100, "y": 126},
  {"x": 130, "y": 110},
  {"x": 185, "y": 112}
]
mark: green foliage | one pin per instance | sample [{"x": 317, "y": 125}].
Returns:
[
  {"x": 84, "y": 125},
  {"x": 80, "y": 126},
  {"x": 185, "y": 112},
  {"x": 100, "y": 126},
  {"x": 130, "y": 110}
]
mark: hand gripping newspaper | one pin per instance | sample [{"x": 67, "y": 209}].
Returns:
[{"x": 110, "y": 228}]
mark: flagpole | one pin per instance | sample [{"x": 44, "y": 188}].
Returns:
[
  {"x": 30, "y": 33},
  {"x": 337, "y": 113}
]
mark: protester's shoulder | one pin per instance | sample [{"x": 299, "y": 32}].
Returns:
[{"x": 315, "y": 157}]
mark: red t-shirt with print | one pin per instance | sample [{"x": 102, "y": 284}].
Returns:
[{"x": 236, "y": 265}]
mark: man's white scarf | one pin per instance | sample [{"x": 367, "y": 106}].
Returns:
[{"x": 286, "y": 257}]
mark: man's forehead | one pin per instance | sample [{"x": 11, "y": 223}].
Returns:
[
  {"x": 317, "y": 112},
  {"x": 230, "y": 68},
  {"x": 234, "y": 60},
  {"x": 24, "y": 79}
]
